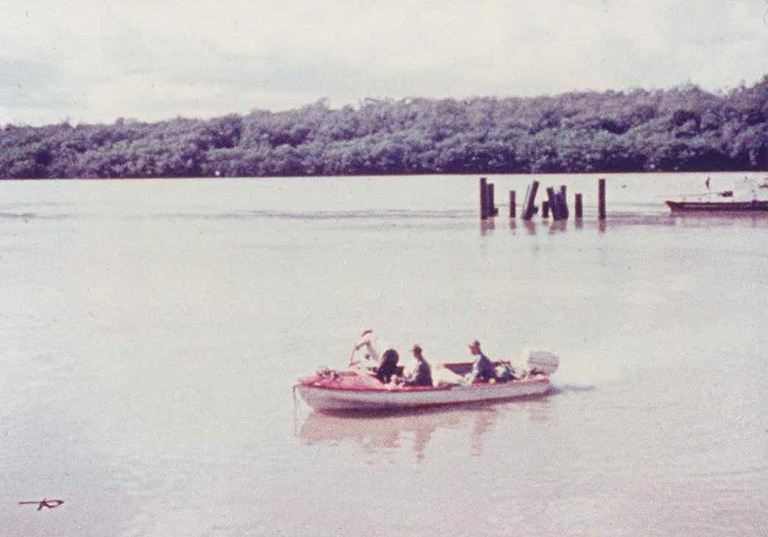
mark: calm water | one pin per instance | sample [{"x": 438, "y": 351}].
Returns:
[{"x": 150, "y": 333}]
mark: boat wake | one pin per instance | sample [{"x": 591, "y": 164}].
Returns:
[
  {"x": 585, "y": 371},
  {"x": 559, "y": 389}
]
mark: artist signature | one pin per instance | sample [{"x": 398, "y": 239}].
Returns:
[{"x": 48, "y": 504}]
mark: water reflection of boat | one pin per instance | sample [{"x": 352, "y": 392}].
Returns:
[{"x": 375, "y": 431}]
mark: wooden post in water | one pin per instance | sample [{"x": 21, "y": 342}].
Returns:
[
  {"x": 492, "y": 210},
  {"x": 483, "y": 198},
  {"x": 601, "y": 199},
  {"x": 564, "y": 203},
  {"x": 512, "y": 204},
  {"x": 578, "y": 208},
  {"x": 553, "y": 206},
  {"x": 562, "y": 210},
  {"x": 545, "y": 209},
  {"x": 530, "y": 201}
]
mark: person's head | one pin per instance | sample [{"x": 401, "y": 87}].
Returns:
[
  {"x": 390, "y": 355},
  {"x": 474, "y": 347},
  {"x": 417, "y": 351}
]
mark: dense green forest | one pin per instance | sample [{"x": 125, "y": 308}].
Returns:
[{"x": 683, "y": 129}]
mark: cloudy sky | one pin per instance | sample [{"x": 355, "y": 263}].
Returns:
[{"x": 98, "y": 61}]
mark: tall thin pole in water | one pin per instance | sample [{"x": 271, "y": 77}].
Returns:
[
  {"x": 530, "y": 201},
  {"x": 601, "y": 199},
  {"x": 492, "y": 211},
  {"x": 564, "y": 203},
  {"x": 483, "y": 198},
  {"x": 553, "y": 205}
]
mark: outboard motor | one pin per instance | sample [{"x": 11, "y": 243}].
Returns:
[{"x": 542, "y": 362}]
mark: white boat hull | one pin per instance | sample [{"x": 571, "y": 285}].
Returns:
[{"x": 321, "y": 398}]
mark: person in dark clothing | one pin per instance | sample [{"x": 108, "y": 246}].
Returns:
[
  {"x": 388, "y": 366},
  {"x": 423, "y": 374},
  {"x": 483, "y": 368}
]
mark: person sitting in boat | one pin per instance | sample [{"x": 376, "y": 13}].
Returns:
[
  {"x": 372, "y": 356},
  {"x": 483, "y": 368},
  {"x": 423, "y": 374},
  {"x": 388, "y": 367}
]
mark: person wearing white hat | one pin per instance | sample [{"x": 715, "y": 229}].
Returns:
[{"x": 371, "y": 343}]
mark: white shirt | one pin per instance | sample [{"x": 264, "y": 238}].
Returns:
[{"x": 373, "y": 347}]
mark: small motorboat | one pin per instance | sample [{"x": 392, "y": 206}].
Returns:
[
  {"x": 745, "y": 197},
  {"x": 713, "y": 205},
  {"x": 330, "y": 390}
]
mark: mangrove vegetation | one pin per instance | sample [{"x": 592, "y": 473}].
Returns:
[{"x": 681, "y": 129}]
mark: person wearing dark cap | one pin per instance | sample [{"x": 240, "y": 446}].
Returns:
[
  {"x": 483, "y": 368},
  {"x": 423, "y": 374}
]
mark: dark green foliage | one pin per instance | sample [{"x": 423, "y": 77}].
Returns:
[{"x": 683, "y": 129}]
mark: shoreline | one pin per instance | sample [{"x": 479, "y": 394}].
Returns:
[{"x": 752, "y": 173}]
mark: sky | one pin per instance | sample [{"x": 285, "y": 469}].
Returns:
[{"x": 95, "y": 62}]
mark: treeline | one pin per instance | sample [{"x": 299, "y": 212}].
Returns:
[{"x": 683, "y": 129}]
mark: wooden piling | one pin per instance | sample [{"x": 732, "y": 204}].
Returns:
[
  {"x": 512, "y": 204},
  {"x": 562, "y": 208},
  {"x": 601, "y": 199},
  {"x": 530, "y": 201},
  {"x": 483, "y": 198},
  {"x": 553, "y": 205},
  {"x": 578, "y": 207},
  {"x": 564, "y": 212},
  {"x": 492, "y": 210},
  {"x": 545, "y": 209}
]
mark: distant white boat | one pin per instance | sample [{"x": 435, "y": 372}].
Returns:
[
  {"x": 354, "y": 390},
  {"x": 745, "y": 197},
  {"x": 717, "y": 206}
]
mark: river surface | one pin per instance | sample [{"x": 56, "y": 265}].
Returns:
[{"x": 151, "y": 331}]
